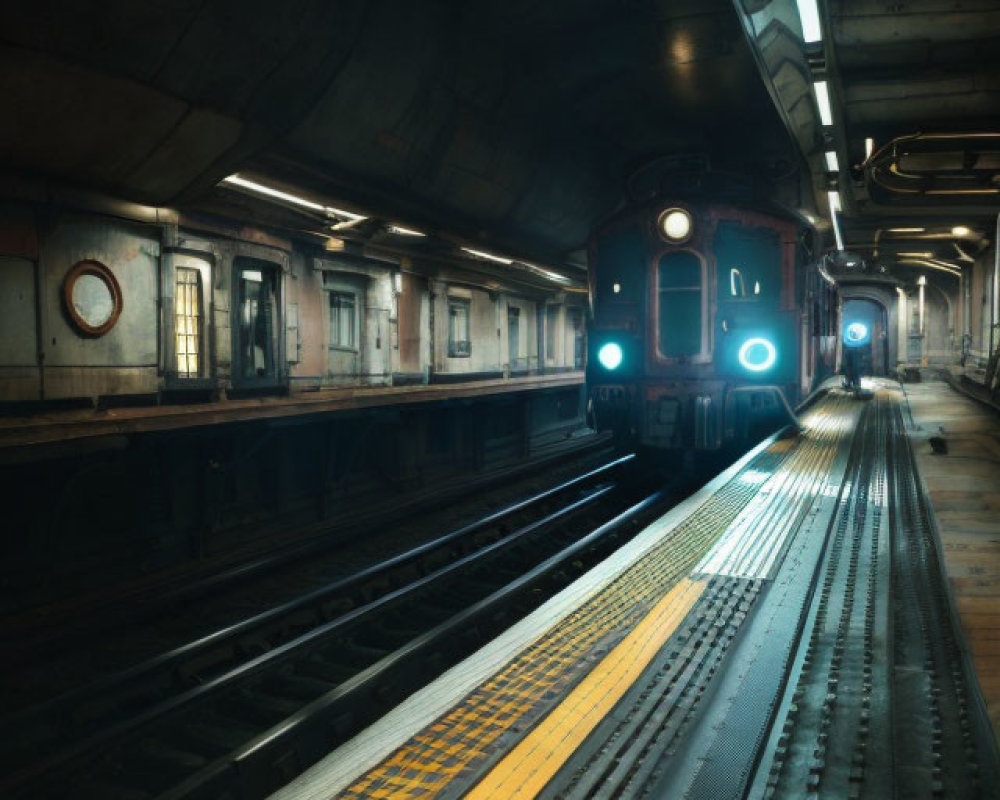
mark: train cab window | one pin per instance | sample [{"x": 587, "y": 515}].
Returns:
[
  {"x": 187, "y": 322},
  {"x": 256, "y": 323},
  {"x": 680, "y": 314},
  {"x": 751, "y": 256},
  {"x": 459, "y": 313},
  {"x": 621, "y": 267},
  {"x": 343, "y": 321}
]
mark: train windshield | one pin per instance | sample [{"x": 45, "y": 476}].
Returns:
[
  {"x": 621, "y": 266},
  {"x": 748, "y": 261},
  {"x": 679, "y": 281}
]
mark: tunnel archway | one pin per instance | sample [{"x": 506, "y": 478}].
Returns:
[{"x": 874, "y": 316}]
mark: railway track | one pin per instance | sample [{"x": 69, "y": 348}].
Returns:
[
  {"x": 877, "y": 704},
  {"x": 253, "y": 703}
]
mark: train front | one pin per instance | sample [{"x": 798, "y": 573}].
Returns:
[{"x": 696, "y": 338}]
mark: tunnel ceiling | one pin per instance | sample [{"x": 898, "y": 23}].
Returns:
[
  {"x": 922, "y": 79},
  {"x": 515, "y": 124}
]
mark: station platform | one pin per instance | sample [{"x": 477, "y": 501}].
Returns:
[{"x": 787, "y": 631}]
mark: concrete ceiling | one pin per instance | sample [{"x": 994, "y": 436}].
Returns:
[{"x": 516, "y": 124}]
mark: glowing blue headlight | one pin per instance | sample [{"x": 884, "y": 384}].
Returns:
[
  {"x": 856, "y": 333},
  {"x": 757, "y": 354},
  {"x": 610, "y": 355}
]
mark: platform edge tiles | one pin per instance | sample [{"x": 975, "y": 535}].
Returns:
[{"x": 337, "y": 770}]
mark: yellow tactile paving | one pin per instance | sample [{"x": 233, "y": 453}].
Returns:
[
  {"x": 464, "y": 739},
  {"x": 528, "y": 767}
]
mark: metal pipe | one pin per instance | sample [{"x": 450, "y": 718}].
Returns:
[{"x": 996, "y": 278}]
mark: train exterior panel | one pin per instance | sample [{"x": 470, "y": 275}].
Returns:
[{"x": 697, "y": 339}]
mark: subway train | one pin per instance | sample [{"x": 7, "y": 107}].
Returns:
[{"x": 709, "y": 324}]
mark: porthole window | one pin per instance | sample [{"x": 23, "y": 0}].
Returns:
[{"x": 92, "y": 297}]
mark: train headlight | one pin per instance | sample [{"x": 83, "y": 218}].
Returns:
[
  {"x": 757, "y": 354},
  {"x": 675, "y": 225},
  {"x": 610, "y": 356},
  {"x": 856, "y": 333}
]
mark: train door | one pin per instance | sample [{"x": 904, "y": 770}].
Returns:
[
  {"x": 255, "y": 342},
  {"x": 411, "y": 299}
]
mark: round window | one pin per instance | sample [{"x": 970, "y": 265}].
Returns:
[{"x": 93, "y": 298}]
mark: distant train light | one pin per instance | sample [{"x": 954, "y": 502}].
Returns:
[
  {"x": 757, "y": 355},
  {"x": 675, "y": 224},
  {"x": 610, "y": 356},
  {"x": 856, "y": 333}
]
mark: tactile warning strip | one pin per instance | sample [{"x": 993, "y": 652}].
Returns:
[{"x": 464, "y": 740}]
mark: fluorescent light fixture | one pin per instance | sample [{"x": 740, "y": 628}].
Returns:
[
  {"x": 487, "y": 256},
  {"x": 277, "y": 194},
  {"x": 288, "y": 197},
  {"x": 399, "y": 230},
  {"x": 914, "y": 255},
  {"x": 905, "y": 230},
  {"x": 832, "y": 164},
  {"x": 960, "y": 230},
  {"x": 833, "y": 198},
  {"x": 823, "y": 102},
  {"x": 809, "y": 15},
  {"x": 339, "y": 212},
  {"x": 869, "y": 147},
  {"x": 546, "y": 273}
]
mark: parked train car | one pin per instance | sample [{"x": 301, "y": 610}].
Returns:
[
  {"x": 104, "y": 309},
  {"x": 709, "y": 324}
]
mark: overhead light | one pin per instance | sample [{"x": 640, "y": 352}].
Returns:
[
  {"x": 832, "y": 164},
  {"x": 399, "y": 230},
  {"x": 914, "y": 255},
  {"x": 869, "y": 147},
  {"x": 833, "y": 198},
  {"x": 905, "y": 230},
  {"x": 487, "y": 256},
  {"x": 823, "y": 101},
  {"x": 546, "y": 273},
  {"x": 960, "y": 230},
  {"x": 809, "y": 16},
  {"x": 339, "y": 212},
  {"x": 294, "y": 199},
  {"x": 277, "y": 194}
]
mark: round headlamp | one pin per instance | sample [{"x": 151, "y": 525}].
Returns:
[
  {"x": 675, "y": 225},
  {"x": 610, "y": 355},
  {"x": 757, "y": 354}
]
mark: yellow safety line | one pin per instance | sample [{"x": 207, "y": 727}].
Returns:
[{"x": 525, "y": 770}]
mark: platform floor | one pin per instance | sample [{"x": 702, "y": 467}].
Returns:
[
  {"x": 962, "y": 476},
  {"x": 701, "y": 612}
]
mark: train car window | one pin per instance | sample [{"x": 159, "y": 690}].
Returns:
[
  {"x": 679, "y": 280},
  {"x": 551, "y": 327},
  {"x": 343, "y": 320},
  {"x": 187, "y": 322},
  {"x": 621, "y": 266},
  {"x": 257, "y": 290},
  {"x": 751, "y": 255},
  {"x": 517, "y": 360},
  {"x": 459, "y": 345}
]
